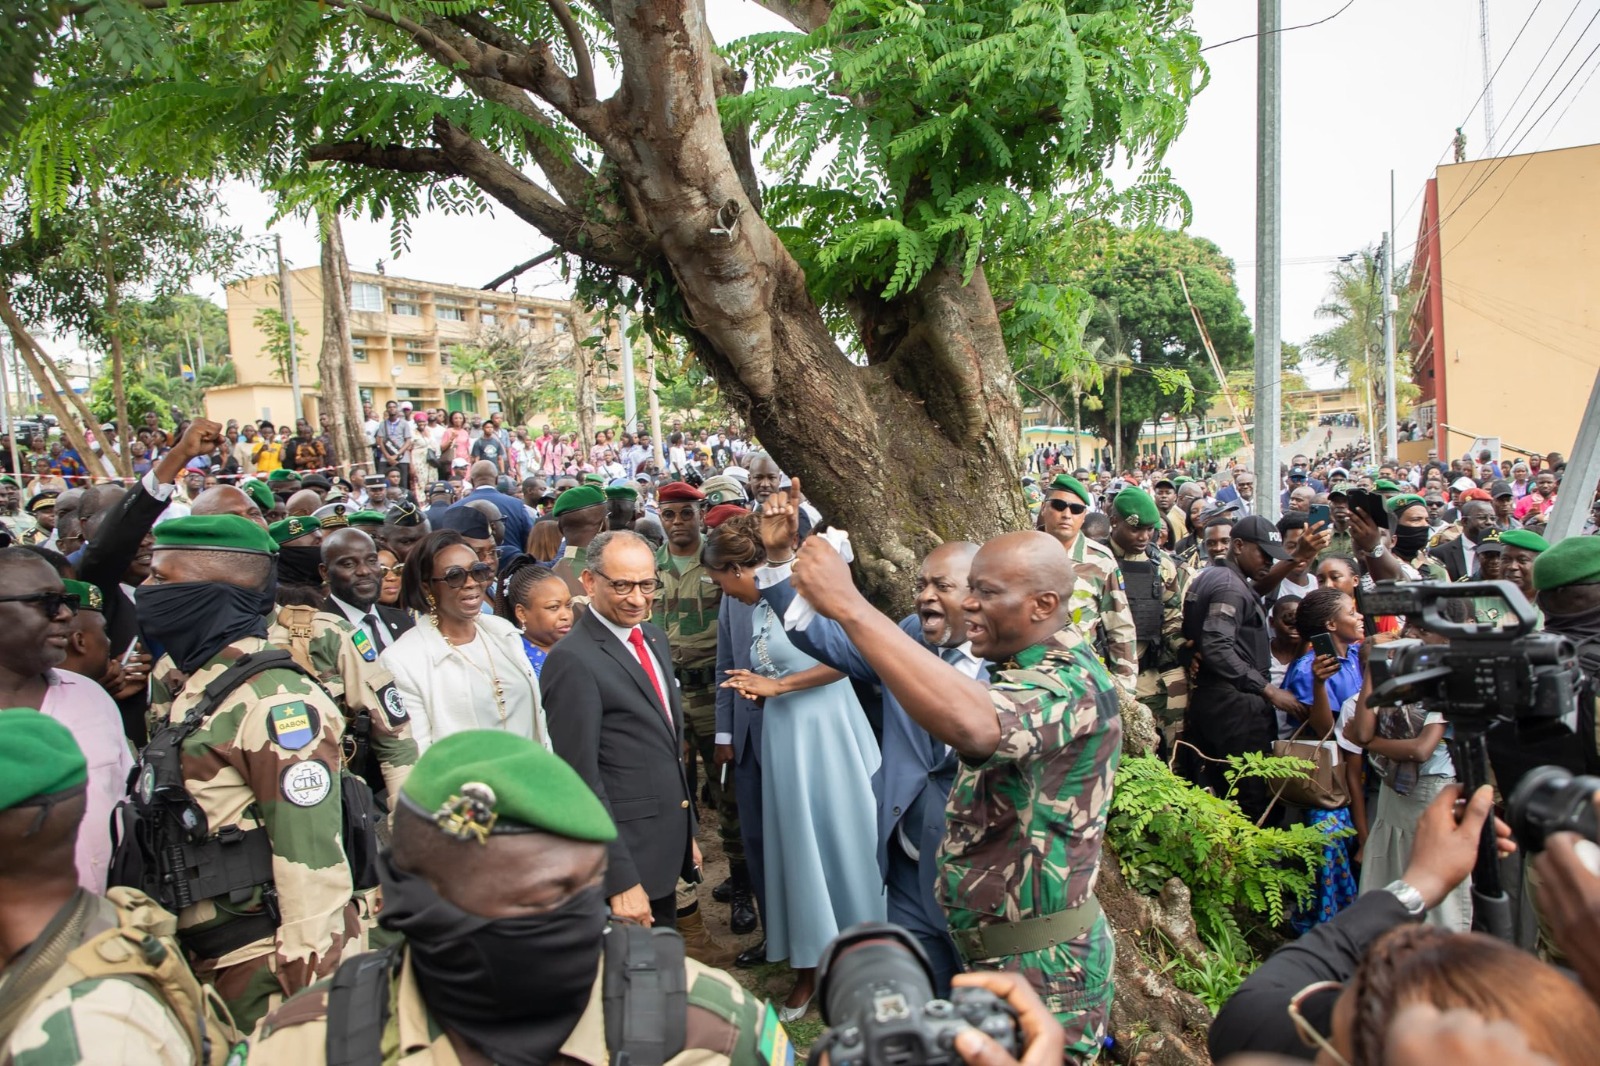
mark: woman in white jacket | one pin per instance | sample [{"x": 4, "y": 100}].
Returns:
[{"x": 464, "y": 669}]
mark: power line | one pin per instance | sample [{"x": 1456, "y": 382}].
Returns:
[{"x": 1282, "y": 29}]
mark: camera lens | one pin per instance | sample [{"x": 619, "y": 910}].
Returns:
[
  {"x": 1551, "y": 800},
  {"x": 877, "y": 975}
]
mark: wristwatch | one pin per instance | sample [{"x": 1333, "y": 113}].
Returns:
[
  {"x": 1378, "y": 551},
  {"x": 1409, "y": 898}
]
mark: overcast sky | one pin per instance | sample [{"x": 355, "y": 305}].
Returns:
[{"x": 1380, "y": 86}]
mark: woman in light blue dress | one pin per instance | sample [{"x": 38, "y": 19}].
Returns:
[{"x": 817, "y": 761}]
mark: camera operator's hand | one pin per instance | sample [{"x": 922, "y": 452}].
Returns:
[
  {"x": 1569, "y": 897},
  {"x": 1421, "y": 1036},
  {"x": 1445, "y": 850},
  {"x": 1043, "y": 1040}
]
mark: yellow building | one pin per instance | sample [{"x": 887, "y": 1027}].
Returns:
[
  {"x": 401, "y": 332},
  {"x": 1507, "y": 327}
]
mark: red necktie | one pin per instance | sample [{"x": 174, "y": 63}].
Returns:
[{"x": 636, "y": 638}]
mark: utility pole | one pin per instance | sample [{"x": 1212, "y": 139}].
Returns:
[
  {"x": 1583, "y": 470},
  {"x": 1116, "y": 433},
  {"x": 1269, "y": 256},
  {"x": 630, "y": 403},
  {"x": 288, "y": 325},
  {"x": 1488, "y": 88},
  {"x": 1390, "y": 429}
]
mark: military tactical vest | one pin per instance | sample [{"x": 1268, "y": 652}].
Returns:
[
  {"x": 1141, "y": 578},
  {"x": 142, "y": 948}
]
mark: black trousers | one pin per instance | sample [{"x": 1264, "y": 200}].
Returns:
[
  {"x": 1223, "y": 721},
  {"x": 665, "y": 912}
]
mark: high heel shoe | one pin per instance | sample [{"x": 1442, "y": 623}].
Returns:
[{"x": 788, "y": 1014}]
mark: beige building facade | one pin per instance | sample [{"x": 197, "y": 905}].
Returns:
[
  {"x": 1507, "y": 327},
  {"x": 401, "y": 334}
]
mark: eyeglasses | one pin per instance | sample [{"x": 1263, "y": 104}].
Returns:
[
  {"x": 1302, "y": 1026},
  {"x": 397, "y": 569},
  {"x": 49, "y": 602},
  {"x": 623, "y": 588},
  {"x": 456, "y": 576},
  {"x": 1067, "y": 505}
]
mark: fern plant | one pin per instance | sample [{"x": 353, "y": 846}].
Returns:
[{"x": 1163, "y": 826}]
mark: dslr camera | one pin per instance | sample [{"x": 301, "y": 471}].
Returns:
[{"x": 875, "y": 988}]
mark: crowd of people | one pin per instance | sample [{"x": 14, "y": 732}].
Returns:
[{"x": 379, "y": 731}]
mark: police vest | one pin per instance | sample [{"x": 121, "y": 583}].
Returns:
[{"x": 142, "y": 948}]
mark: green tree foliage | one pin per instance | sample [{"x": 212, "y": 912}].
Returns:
[
  {"x": 1353, "y": 344},
  {"x": 269, "y": 321},
  {"x": 516, "y": 361},
  {"x": 145, "y": 394},
  {"x": 171, "y": 332}
]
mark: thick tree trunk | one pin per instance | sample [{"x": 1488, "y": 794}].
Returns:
[{"x": 335, "y": 368}]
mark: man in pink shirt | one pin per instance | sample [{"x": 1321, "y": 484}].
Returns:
[
  {"x": 1541, "y": 499},
  {"x": 37, "y": 614}
]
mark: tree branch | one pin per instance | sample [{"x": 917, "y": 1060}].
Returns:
[
  {"x": 807, "y": 15},
  {"x": 522, "y": 268},
  {"x": 384, "y": 157},
  {"x": 580, "y": 49}
]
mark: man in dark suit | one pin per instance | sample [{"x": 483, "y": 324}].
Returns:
[
  {"x": 350, "y": 568},
  {"x": 514, "y": 541},
  {"x": 116, "y": 559},
  {"x": 614, "y": 714},
  {"x": 1459, "y": 555},
  {"x": 913, "y": 782}
]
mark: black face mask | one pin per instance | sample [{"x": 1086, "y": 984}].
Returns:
[
  {"x": 193, "y": 620},
  {"x": 299, "y": 565},
  {"x": 1577, "y": 626},
  {"x": 1409, "y": 540},
  {"x": 514, "y": 987}
]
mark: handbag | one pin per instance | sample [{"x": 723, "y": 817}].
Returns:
[{"x": 1324, "y": 785}]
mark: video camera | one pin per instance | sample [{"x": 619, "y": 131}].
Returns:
[{"x": 875, "y": 988}]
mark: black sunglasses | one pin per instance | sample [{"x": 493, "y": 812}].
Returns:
[
  {"x": 456, "y": 576},
  {"x": 1067, "y": 505},
  {"x": 49, "y": 602}
]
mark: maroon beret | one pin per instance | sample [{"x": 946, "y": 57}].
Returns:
[
  {"x": 722, "y": 512},
  {"x": 679, "y": 492}
]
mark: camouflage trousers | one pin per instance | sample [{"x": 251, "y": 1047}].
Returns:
[
  {"x": 1075, "y": 982},
  {"x": 700, "y": 731}
]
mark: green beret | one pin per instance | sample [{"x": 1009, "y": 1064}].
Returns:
[
  {"x": 597, "y": 480},
  {"x": 223, "y": 532},
  {"x": 287, "y": 529},
  {"x": 1068, "y": 483},
  {"x": 621, "y": 492},
  {"x": 89, "y": 596},
  {"x": 1396, "y": 504},
  {"x": 575, "y": 499},
  {"x": 9, "y": 480},
  {"x": 1180, "y": 481},
  {"x": 480, "y": 782},
  {"x": 1575, "y": 561},
  {"x": 258, "y": 491},
  {"x": 1137, "y": 506},
  {"x": 1524, "y": 538},
  {"x": 281, "y": 474},
  {"x": 1383, "y": 484},
  {"x": 38, "y": 757},
  {"x": 365, "y": 518}
]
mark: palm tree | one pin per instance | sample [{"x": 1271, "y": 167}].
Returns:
[{"x": 1354, "y": 344}]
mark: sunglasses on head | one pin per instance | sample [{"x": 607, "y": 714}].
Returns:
[
  {"x": 49, "y": 602},
  {"x": 1067, "y": 505},
  {"x": 456, "y": 576}
]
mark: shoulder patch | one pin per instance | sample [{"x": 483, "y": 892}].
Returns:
[
  {"x": 306, "y": 784},
  {"x": 773, "y": 1040},
  {"x": 293, "y": 725},
  {"x": 364, "y": 645},
  {"x": 1218, "y": 609},
  {"x": 393, "y": 705}
]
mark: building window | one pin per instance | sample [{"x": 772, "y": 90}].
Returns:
[
  {"x": 447, "y": 313},
  {"x": 488, "y": 305},
  {"x": 415, "y": 358},
  {"x": 561, "y": 325},
  {"x": 366, "y": 297},
  {"x": 358, "y": 349},
  {"x": 405, "y": 303}
]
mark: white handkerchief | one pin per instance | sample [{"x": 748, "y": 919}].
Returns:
[{"x": 800, "y": 613}]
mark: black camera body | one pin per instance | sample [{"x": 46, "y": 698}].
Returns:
[
  {"x": 1487, "y": 673},
  {"x": 1550, "y": 800},
  {"x": 875, "y": 988}
]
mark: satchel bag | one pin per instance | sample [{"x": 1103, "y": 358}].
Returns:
[{"x": 1324, "y": 785}]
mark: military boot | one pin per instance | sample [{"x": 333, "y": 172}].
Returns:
[
  {"x": 700, "y": 945},
  {"x": 742, "y": 903}
]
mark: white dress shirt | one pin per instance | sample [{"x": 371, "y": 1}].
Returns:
[{"x": 357, "y": 617}]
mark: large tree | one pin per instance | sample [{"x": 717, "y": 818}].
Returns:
[
  {"x": 842, "y": 307},
  {"x": 1353, "y": 343}
]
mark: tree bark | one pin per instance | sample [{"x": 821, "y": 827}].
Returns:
[
  {"x": 583, "y": 378},
  {"x": 52, "y": 383},
  {"x": 335, "y": 368}
]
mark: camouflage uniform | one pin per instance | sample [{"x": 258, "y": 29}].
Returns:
[
  {"x": 1342, "y": 543},
  {"x": 345, "y": 662},
  {"x": 268, "y": 757},
  {"x": 686, "y": 606},
  {"x": 112, "y": 994},
  {"x": 725, "y": 1024},
  {"x": 1160, "y": 674},
  {"x": 1100, "y": 613},
  {"x": 1024, "y": 828},
  {"x": 569, "y": 566}
]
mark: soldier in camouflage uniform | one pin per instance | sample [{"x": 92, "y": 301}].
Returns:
[
  {"x": 266, "y": 757},
  {"x": 493, "y": 825},
  {"x": 1341, "y": 543},
  {"x": 1155, "y": 583},
  {"x": 686, "y": 607},
  {"x": 581, "y": 514},
  {"x": 1039, "y": 747},
  {"x": 1099, "y": 604},
  {"x": 101, "y": 978}
]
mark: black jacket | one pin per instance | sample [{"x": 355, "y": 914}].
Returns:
[
  {"x": 1257, "y": 1017},
  {"x": 1223, "y": 617},
  {"x": 1454, "y": 557},
  {"x": 606, "y": 721},
  {"x": 395, "y": 621}
]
